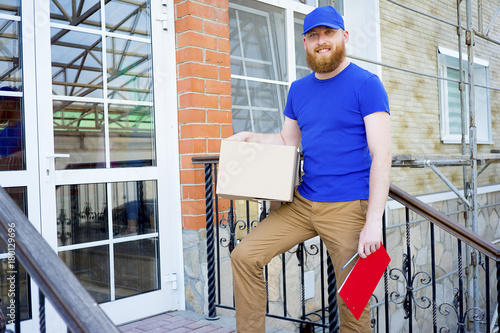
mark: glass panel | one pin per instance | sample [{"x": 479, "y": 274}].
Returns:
[
  {"x": 256, "y": 36},
  {"x": 131, "y": 131},
  {"x": 130, "y": 18},
  {"x": 10, "y": 62},
  {"x": 12, "y": 143},
  {"x": 79, "y": 132},
  {"x": 9, "y": 7},
  {"x": 81, "y": 13},
  {"x": 241, "y": 120},
  {"x": 265, "y": 107},
  {"x": 14, "y": 290},
  {"x": 18, "y": 194},
  {"x": 8, "y": 268},
  {"x": 76, "y": 63},
  {"x": 129, "y": 70},
  {"x": 135, "y": 208},
  {"x": 91, "y": 267},
  {"x": 81, "y": 213},
  {"x": 454, "y": 113},
  {"x": 300, "y": 54},
  {"x": 137, "y": 267}
]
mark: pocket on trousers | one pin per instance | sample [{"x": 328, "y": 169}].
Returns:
[{"x": 363, "y": 205}]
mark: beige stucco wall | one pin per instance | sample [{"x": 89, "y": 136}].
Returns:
[{"x": 410, "y": 40}]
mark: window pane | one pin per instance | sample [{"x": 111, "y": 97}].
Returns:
[
  {"x": 76, "y": 63},
  {"x": 12, "y": 144},
  {"x": 129, "y": 70},
  {"x": 9, "y": 7},
  {"x": 8, "y": 285},
  {"x": 128, "y": 17},
  {"x": 135, "y": 208},
  {"x": 91, "y": 267},
  {"x": 81, "y": 13},
  {"x": 9, "y": 265},
  {"x": 454, "y": 113},
  {"x": 79, "y": 132},
  {"x": 81, "y": 214},
  {"x": 257, "y": 38},
  {"x": 10, "y": 62},
  {"x": 263, "y": 104},
  {"x": 300, "y": 54},
  {"x": 136, "y": 267},
  {"x": 131, "y": 131}
]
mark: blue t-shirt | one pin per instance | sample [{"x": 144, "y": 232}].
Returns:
[{"x": 330, "y": 116}]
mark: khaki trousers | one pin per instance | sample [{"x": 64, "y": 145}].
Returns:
[{"x": 338, "y": 224}]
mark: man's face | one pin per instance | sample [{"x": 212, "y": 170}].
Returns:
[{"x": 325, "y": 48}]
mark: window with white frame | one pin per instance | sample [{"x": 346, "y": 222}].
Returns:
[
  {"x": 451, "y": 119},
  {"x": 262, "y": 35}
]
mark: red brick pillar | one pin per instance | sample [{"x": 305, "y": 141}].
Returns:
[{"x": 203, "y": 95}]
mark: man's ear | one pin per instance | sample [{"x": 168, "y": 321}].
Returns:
[{"x": 346, "y": 36}]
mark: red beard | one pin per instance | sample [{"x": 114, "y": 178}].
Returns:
[{"x": 320, "y": 64}]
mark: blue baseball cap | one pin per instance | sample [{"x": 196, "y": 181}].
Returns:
[{"x": 323, "y": 16}]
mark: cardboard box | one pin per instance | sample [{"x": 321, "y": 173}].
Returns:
[{"x": 254, "y": 171}]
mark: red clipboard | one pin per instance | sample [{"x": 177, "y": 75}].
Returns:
[{"x": 363, "y": 279}]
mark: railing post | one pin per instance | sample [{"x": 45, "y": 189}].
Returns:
[
  {"x": 333, "y": 310},
  {"x": 212, "y": 313},
  {"x": 41, "y": 311},
  {"x": 498, "y": 293}
]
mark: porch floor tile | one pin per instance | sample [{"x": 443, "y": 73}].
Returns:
[{"x": 185, "y": 321}]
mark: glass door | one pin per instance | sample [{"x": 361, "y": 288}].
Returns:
[
  {"x": 103, "y": 173},
  {"x": 19, "y": 171}
]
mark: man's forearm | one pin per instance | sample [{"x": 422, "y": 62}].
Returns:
[{"x": 380, "y": 174}]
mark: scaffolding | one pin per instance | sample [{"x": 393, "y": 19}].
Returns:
[{"x": 468, "y": 158}]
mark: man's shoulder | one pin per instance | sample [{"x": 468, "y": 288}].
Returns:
[{"x": 360, "y": 72}]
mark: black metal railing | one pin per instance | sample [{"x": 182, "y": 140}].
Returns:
[
  {"x": 53, "y": 278},
  {"x": 417, "y": 293}
]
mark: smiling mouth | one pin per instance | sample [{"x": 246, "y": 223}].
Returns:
[{"x": 323, "y": 50}]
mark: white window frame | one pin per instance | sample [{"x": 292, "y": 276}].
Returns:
[{"x": 483, "y": 114}]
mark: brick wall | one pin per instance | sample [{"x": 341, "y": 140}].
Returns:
[{"x": 203, "y": 95}]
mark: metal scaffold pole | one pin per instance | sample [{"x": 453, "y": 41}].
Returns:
[{"x": 473, "y": 209}]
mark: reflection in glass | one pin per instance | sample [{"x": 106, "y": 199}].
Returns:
[
  {"x": 131, "y": 135},
  {"x": 91, "y": 267},
  {"x": 135, "y": 208},
  {"x": 79, "y": 132},
  {"x": 136, "y": 267},
  {"x": 12, "y": 144},
  {"x": 81, "y": 213},
  {"x": 7, "y": 278},
  {"x": 257, "y": 40},
  {"x": 300, "y": 54},
  {"x": 76, "y": 63},
  {"x": 8, "y": 264},
  {"x": 262, "y": 104},
  {"x": 130, "y": 18},
  {"x": 10, "y": 63},
  {"x": 129, "y": 70},
  {"x": 18, "y": 194},
  {"x": 258, "y": 50},
  {"x": 80, "y": 13},
  {"x": 10, "y": 7}
]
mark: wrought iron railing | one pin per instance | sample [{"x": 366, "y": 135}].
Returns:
[
  {"x": 416, "y": 294},
  {"x": 53, "y": 278}
]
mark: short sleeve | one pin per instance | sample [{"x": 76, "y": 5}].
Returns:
[
  {"x": 373, "y": 97},
  {"x": 289, "y": 112}
]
